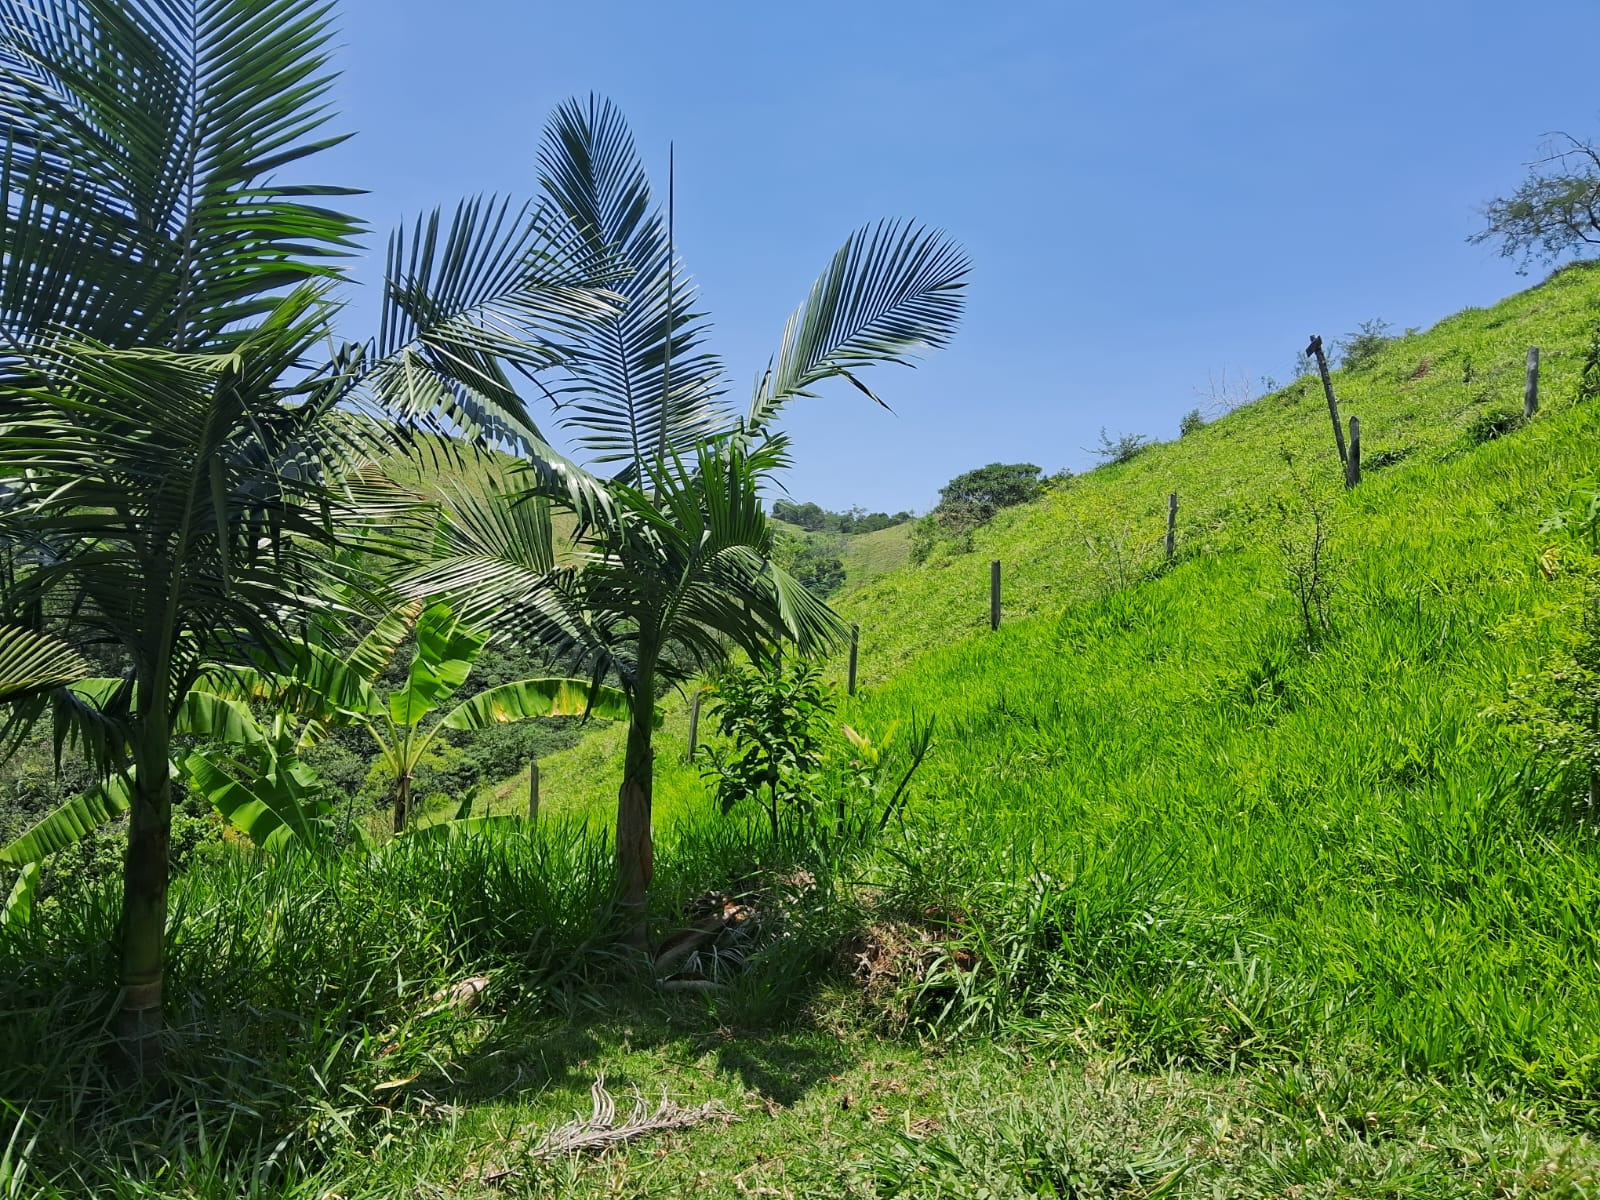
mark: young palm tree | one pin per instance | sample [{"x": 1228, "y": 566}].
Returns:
[
  {"x": 174, "y": 430},
  {"x": 678, "y": 563}
]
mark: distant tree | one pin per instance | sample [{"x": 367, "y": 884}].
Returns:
[
  {"x": 1192, "y": 420},
  {"x": 1555, "y": 211},
  {"x": 807, "y": 516},
  {"x": 820, "y": 571},
  {"x": 1357, "y": 349},
  {"x": 815, "y": 519},
  {"x": 996, "y": 486}
]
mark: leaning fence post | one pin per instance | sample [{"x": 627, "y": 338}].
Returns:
[
  {"x": 694, "y": 725},
  {"x": 1530, "y": 388},
  {"x": 1315, "y": 350},
  {"x": 994, "y": 594},
  {"x": 855, "y": 651},
  {"x": 1172, "y": 524},
  {"x": 533, "y": 789},
  {"x": 1352, "y": 468}
]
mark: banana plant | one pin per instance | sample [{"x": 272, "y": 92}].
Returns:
[
  {"x": 327, "y": 689},
  {"x": 250, "y": 773}
]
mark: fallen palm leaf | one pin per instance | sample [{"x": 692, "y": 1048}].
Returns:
[{"x": 601, "y": 1130}]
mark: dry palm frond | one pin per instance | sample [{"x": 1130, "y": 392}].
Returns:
[{"x": 601, "y": 1130}]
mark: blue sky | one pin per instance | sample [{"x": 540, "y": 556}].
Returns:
[{"x": 1153, "y": 192}]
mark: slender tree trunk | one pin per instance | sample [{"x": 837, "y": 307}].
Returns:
[
  {"x": 635, "y": 849},
  {"x": 402, "y": 801},
  {"x": 144, "y": 889}
]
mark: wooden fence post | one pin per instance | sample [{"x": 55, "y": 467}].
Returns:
[
  {"x": 855, "y": 651},
  {"x": 1172, "y": 524},
  {"x": 1530, "y": 389},
  {"x": 533, "y": 789},
  {"x": 694, "y": 725},
  {"x": 1352, "y": 468},
  {"x": 994, "y": 594},
  {"x": 1315, "y": 350}
]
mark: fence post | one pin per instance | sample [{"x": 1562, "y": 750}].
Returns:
[
  {"x": 533, "y": 789},
  {"x": 1172, "y": 524},
  {"x": 1315, "y": 350},
  {"x": 855, "y": 651},
  {"x": 994, "y": 594},
  {"x": 1352, "y": 468},
  {"x": 1530, "y": 389},
  {"x": 694, "y": 725}
]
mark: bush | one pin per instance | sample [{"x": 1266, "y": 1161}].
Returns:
[
  {"x": 1125, "y": 448},
  {"x": 1192, "y": 420},
  {"x": 773, "y": 716},
  {"x": 1357, "y": 349}
]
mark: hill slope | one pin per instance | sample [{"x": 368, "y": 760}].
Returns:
[
  {"x": 1417, "y": 402},
  {"x": 1178, "y": 823}
]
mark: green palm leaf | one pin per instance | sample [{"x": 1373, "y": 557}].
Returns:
[
  {"x": 143, "y": 144},
  {"x": 464, "y": 303},
  {"x": 527, "y": 699},
  {"x": 639, "y": 383},
  {"x": 892, "y": 290},
  {"x": 32, "y": 663}
]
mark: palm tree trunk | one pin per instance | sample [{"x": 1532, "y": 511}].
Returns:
[
  {"x": 144, "y": 891},
  {"x": 635, "y": 851}
]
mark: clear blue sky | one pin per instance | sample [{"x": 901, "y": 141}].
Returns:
[{"x": 1152, "y": 192}]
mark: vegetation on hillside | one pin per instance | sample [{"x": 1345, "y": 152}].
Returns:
[{"x": 1253, "y": 854}]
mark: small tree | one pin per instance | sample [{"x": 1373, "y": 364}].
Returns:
[
  {"x": 1358, "y": 349},
  {"x": 1556, "y": 210},
  {"x": 771, "y": 714},
  {"x": 1125, "y": 448},
  {"x": 1192, "y": 421},
  {"x": 996, "y": 486}
]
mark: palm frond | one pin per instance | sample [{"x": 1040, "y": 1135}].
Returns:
[
  {"x": 892, "y": 290},
  {"x": 639, "y": 383},
  {"x": 144, "y": 143},
  {"x": 494, "y": 290},
  {"x": 32, "y": 663}
]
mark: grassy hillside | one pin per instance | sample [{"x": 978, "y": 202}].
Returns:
[
  {"x": 1192, "y": 899},
  {"x": 1229, "y": 840},
  {"x": 1417, "y": 402},
  {"x": 868, "y": 555}
]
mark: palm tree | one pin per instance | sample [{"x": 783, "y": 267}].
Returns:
[
  {"x": 678, "y": 567},
  {"x": 175, "y": 433}
]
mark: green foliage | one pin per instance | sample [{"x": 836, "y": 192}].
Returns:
[
  {"x": 772, "y": 716},
  {"x": 991, "y": 488},
  {"x": 812, "y": 562},
  {"x": 1192, "y": 421},
  {"x": 1552, "y": 213},
  {"x": 1494, "y": 423},
  {"x": 1356, "y": 350},
  {"x": 1122, "y": 449},
  {"x": 816, "y": 519}
]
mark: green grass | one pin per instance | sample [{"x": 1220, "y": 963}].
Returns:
[
  {"x": 869, "y": 555},
  {"x": 1187, "y": 902}
]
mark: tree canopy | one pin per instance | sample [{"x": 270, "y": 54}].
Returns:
[{"x": 1554, "y": 212}]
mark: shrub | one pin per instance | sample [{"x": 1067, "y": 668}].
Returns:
[
  {"x": 1357, "y": 349},
  {"x": 1192, "y": 420},
  {"x": 1125, "y": 448},
  {"x": 772, "y": 715}
]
